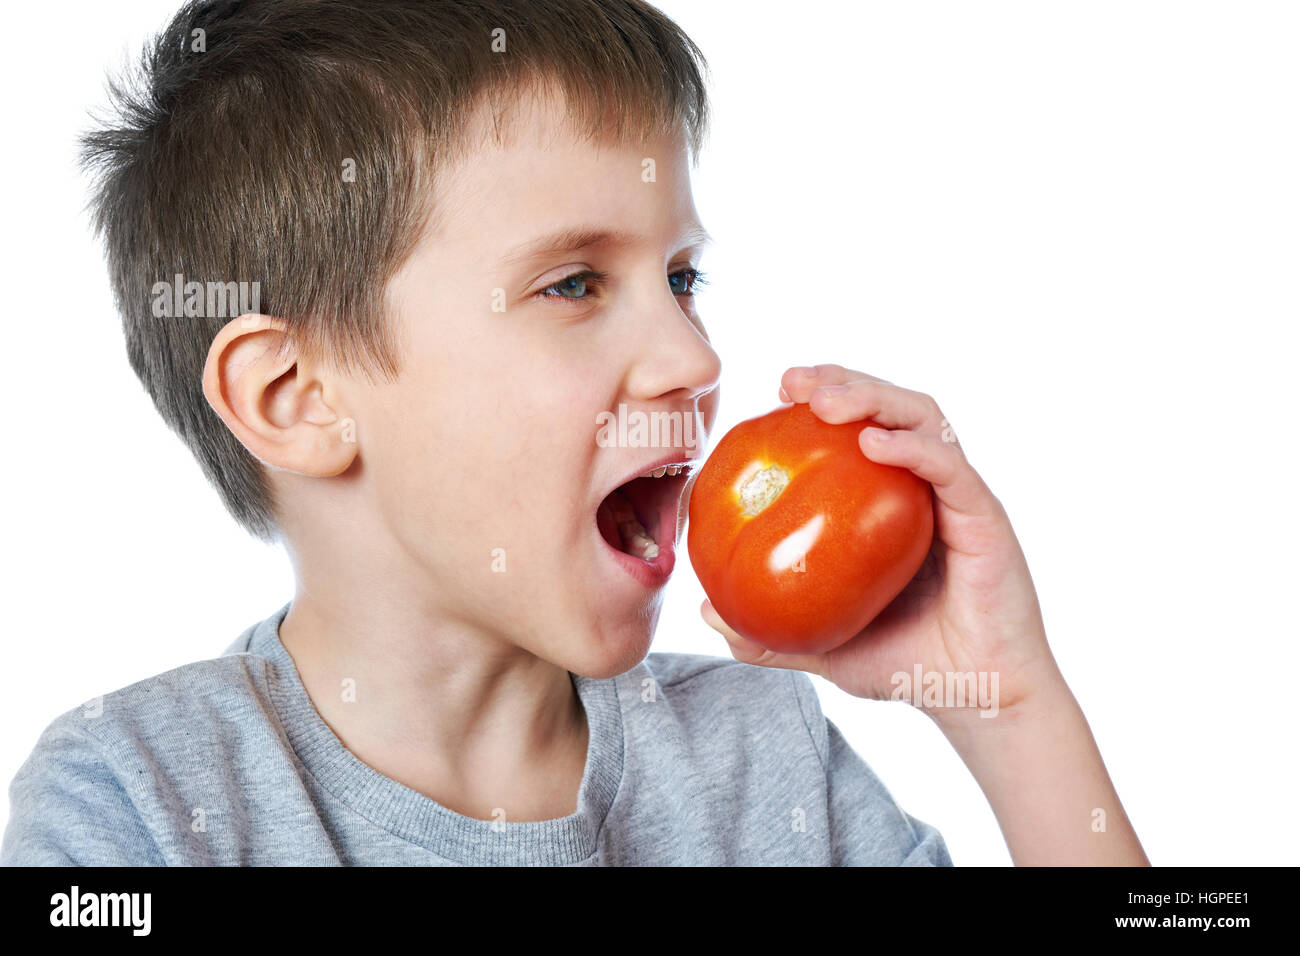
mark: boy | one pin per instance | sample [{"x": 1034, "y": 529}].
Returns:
[{"x": 472, "y": 231}]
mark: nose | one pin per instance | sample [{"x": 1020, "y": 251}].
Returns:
[{"x": 675, "y": 361}]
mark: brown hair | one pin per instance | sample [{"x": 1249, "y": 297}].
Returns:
[{"x": 225, "y": 156}]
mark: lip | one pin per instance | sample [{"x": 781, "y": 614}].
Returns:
[
  {"x": 692, "y": 463},
  {"x": 653, "y": 574}
]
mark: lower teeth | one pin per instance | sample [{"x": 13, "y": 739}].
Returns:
[{"x": 636, "y": 541}]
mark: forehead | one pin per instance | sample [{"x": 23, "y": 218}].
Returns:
[{"x": 528, "y": 162}]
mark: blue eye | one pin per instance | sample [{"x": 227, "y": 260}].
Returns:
[
  {"x": 689, "y": 279},
  {"x": 574, "y": 286}
]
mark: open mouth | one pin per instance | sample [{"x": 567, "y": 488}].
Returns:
[{"x": 639, "y": 517}]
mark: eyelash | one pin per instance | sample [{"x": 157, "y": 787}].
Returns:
[{"x": 695, "y": 278}]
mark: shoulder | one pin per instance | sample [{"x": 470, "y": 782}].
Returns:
[
  {"x": 696, "y": 673},
  {"x": 201, "y": 695},
  {"x": 718, "y": 692},
  {"x": 86, "y": 792},
  {"x": 219, "y": 688},
  {"x": 757, "y": 740}
]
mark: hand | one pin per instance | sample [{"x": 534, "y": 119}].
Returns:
[{"x": 971, "y": 607}]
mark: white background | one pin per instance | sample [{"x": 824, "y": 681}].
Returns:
[{"x": 1076, "y": 224}]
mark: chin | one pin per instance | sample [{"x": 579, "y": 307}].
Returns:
[{"x": 611, "y": 649}]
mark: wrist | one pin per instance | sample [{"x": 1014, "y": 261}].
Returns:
[{"x": 1048, "y": 702}]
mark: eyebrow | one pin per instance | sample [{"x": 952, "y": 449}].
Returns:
[{"x": 575, "y": 238}]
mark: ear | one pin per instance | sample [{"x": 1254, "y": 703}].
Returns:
[{"x": 273, "y": 401}]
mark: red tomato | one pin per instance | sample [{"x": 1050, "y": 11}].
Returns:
[{"x": 797, "y": 537}]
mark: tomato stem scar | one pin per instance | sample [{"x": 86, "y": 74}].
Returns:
[{"x": 763, "y": 489}]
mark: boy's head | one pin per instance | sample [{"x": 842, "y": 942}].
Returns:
[{"x": 417, "y": 408}]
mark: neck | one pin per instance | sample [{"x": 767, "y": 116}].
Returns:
[{"x": 454, "y": 712}]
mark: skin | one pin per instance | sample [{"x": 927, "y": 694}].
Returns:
[{"x": 487, "y": 440}]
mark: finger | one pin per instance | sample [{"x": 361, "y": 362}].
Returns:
[
  {"x": 956, "y": 484},
  {"x": 748, "y": 652},
  {"x": 800, "y": 381},
  {"x": 883, "y": 403}
]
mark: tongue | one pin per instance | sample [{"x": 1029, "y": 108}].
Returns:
[{"x": 635, "y": 540}]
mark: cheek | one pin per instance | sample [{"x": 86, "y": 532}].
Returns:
[
  {"x": 467, "y": 464},
  {"x": 472, "y": 495}
]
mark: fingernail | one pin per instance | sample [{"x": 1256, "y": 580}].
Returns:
[
  {"x": 785, "y": 396},
  {"x": 879, "y": 434},
  {"x": 805, "y": 371}
]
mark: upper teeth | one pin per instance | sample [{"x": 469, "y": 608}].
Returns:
[{"x": 664, "y": 470}]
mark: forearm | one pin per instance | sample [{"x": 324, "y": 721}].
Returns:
[{"x": 1043, "y": 775}]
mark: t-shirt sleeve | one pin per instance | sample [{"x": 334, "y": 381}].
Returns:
[
  {"x": 867, "y": 826},
  {"x": 68, "y": 808}
]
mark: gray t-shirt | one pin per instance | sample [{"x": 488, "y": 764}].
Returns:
[{"x": 691, "y": 760}]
